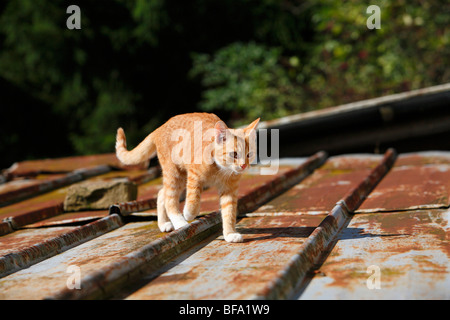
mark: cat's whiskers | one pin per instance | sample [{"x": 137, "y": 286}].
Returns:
[{"x": 225, "y": 173}]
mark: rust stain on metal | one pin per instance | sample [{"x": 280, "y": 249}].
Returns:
[
  {"x": 45, "y": 211},
  {"x": 320, "y": 192},
  {"x": 91, "y": 256},
  {"x": 411, "y": 250},
  {"x": 68, "y": 218},
  {"x": 22, "y": 183},
  {"x": 60, "y": 165},
  {"x": 50, "y": 184},
  {"x": 26, "y": 238},
  {"x": 233, "y": 271},
  {"x": 354, "y": 198},
  {"x": 50, "y": 204},
  {"x": 142, "y": 248},
  {"x": 271, "y": 230},
  {"x": 294, "y": 273},
  {"x": 280, "y": 247},
  {"x": 416, "y": 182},
  {"x": 131, "y": 251},
  {"x": 23, "y": 249},
  {"x": 423, "y": 158}
]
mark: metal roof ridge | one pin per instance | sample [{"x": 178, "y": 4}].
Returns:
[
  {"x": 358, "y": 105},
  {"x": 44, "y": 186},
  {"x": 35, "y": 253}
]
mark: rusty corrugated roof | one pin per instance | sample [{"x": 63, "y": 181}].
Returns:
[
  {"x": 320, "y": 228},
  {"x": 416, "y": 120}
]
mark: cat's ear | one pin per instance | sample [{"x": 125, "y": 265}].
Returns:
[
  {"x": 220, "y": 131},
  {"x": 251, "y": 127}
]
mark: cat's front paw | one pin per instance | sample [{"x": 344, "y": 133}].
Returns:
[
  {"x": 234, "y": 237},
  {"x": 188, "y": 215},
  {"x": 178, "y": 221},
  {"x": 166, "y": 227}
]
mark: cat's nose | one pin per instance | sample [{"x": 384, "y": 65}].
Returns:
[{"x": 243, "y": 166}]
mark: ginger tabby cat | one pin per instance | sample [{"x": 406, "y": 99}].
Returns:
[{"x": 195, "y": 150}]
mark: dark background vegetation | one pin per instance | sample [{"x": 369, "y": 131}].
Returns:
[{"x": 135, "y": 63}]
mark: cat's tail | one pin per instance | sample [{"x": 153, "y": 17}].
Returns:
[{"x": 143, "y": 152}]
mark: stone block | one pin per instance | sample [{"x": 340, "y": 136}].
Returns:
[{"x": 99, "y": 194}]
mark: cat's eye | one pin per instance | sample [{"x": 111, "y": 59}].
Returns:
[
  {"x": 249, "y": 155},
  {"x": 234, "y": 154}
]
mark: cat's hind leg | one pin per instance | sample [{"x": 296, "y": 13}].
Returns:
[
  {"x": 164, "y": 223},
  {"x": 173, "y": 186}
]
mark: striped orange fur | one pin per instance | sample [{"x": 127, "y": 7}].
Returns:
[{"x": 195, "y": 150}]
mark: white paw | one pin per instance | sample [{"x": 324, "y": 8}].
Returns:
[
  {"x": 166, "y": 227},
  {"x": 188, "y": 215},
  {"x": 178, "y": 221},
  {"x": 234, "y": 237}
]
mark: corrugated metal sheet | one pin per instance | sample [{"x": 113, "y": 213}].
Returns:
[
  {"x": 50, "y": 204},
  {"x": 415, "y": 182},
  {"x": 408, "y": 121},
  {"x": 313, "y": 230},
  {"x": 409, "y": 250}
]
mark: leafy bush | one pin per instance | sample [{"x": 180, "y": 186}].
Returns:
[
  {"x": 246, "y": 79},
  {"x": 83, "y": 75},
  {"x": 135, "y": 63},
  {"x": 345, "y": 61},
  {"x": 350, "y": 62}
]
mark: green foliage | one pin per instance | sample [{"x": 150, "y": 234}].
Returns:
[
  {"x": 150, "y": 17},
  {"x": 247, "y": 79},
  {"x": 344, "y": 62},
  {"x": 350, "y": 62},
  {"x": 75, "y": 71},
  {"x": 135, "y": 63}
]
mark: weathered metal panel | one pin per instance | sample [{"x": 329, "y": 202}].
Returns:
[
  {"x": 293, "y": 274},
  {"x": 353, "y": 199},
  {"x": 37, "y": 211},
  {"x": 407, "y": 252},
  {"x": 220, "y": 270},
  {"x": 320, "y": 192},
  {"x": 68, "y": 218},
  {"x": 255, "y": 271},
  {"x": 59, "y": 165},
  {"x": 27, "y": 247},
  {"x": 112, "y": 258},
  {"x": 43, "y": 186},
  {"x": 281, "y": 183},
  {"x": 49, "y": 276},
  {"x": 416, "y": 182},
  {"x": 26, "y": 238},
  {"x": 150, "y": 188},
  {"x": 423, "y": 158},
  {"x": 351, "y": 107},
  {"x": 402, "y": 120},
  {"x": 50, "y": 204},
  {"x": 267, "y": 264},
  {"x": 281, "y": 247},
  {"x": 15, "y": 185},
  {"x": 138, "y": 176}
]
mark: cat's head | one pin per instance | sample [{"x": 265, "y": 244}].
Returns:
[{"x": 235, "y": 149}]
